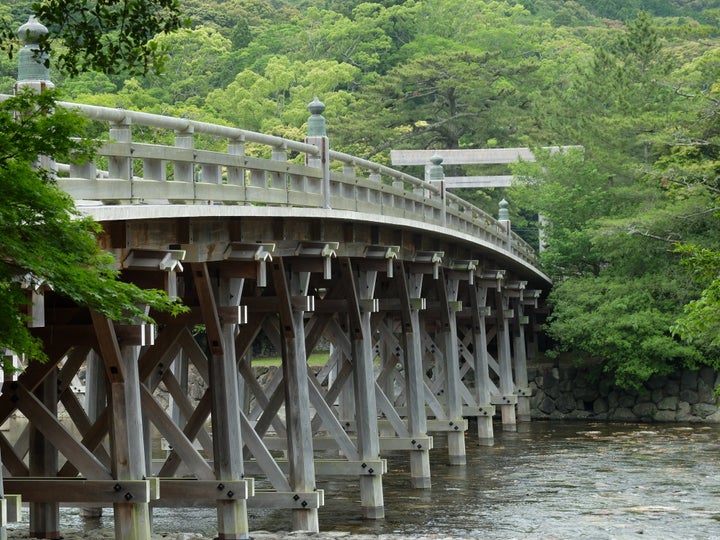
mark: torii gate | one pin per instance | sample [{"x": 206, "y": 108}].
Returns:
[{"x": 470, "y": 156}]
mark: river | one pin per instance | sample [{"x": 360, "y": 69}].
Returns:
[{"x": 548, "y": 480}]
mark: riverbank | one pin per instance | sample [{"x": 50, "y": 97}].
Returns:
[{"x": 572, "y": 393}]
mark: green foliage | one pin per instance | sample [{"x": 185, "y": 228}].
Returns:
[
  {"x": 622, "y": 322},
  {"x": 113, "y": 36},
  {"x": 38, "y": 224}
]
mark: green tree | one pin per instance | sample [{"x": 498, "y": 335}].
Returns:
[
  {"x": 615, "y": 217},
  {"x": 44, "y": 242},
  {"x": 445, "y": 100}
]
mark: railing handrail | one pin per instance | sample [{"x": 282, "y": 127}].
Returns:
[{"x": 424, "y": 202}]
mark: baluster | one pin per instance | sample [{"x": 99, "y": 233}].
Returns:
[
  {"x": 236, "y": 175},
  {"x": 120, "y": 164},
  {"x": 374, "y": 196},
  {"x": 278, "y": 180},
  {"x": 348, "y": 190},
  {"x": 83, "y": 170},
  {"x": 184, "y": 170}
]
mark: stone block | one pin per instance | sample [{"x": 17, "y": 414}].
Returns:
[
  {"x": 565, "y": 403},
  {"x": 624, "y": 414},
  {"x": 605, "y": 386},
  {"x": 600, "y": 406},
  {"x": 706, "y": 392},
  {"x": 613, "y": 399},
  {"x": 626, "y": 401},
  {"x": 688, "y": 380},
  {"x": 669, "y": 403},
  {"x": 665, "y": 416},
  {"x": 707, "y": 375},
  {"x": 656, "y": 382},
  {"x": 587, "y": 393},
  {"x": 691, "y": 396},
  {"x": 536, "y": 399},
  {"x": 703, "y": 410},
  {"x": 683, "y": 411},
  {"x": 672, "y": 388},
  {"x": 546, "y": 406},
  {"x": 552, "y": 390},
  {"x": 645, "y": 411}
]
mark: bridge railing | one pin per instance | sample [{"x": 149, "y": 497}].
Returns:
[{"x": 258, "y": 169}]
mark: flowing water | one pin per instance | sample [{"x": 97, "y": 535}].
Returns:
[{"x": 549, "y": 480}]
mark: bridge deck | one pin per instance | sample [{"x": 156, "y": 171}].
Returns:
[{"x": 427, "y": 306}]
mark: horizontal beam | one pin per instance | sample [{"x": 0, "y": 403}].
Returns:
[
  {"x": 78, "y": 490},
  {"x": 331, "y": 467},
  {"x": 184, "y": 489},
  {"x": 293, "y": 500},
  {"x": 478, "y": 181},
  {"x": 469, "y": 156},
  {"x": 386, "y": 443}
]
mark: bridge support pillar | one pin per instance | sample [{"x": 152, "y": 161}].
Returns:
[
  {"x": 43, "y": 460},
  {"x": 225, "y": 401},
  {"x": 95, "y": 400},
  {"x": 371, "y": 490},
  {"x": 448, "y": 293},
  {"x": 520, "y": 363},
  {"x": 227, "y": 438},
  {"x": 478, "y": 296},
  {"x": 297, "y": 393},
  {"x": 132, "y": 520},
  {"x": 507, "y": 386},
  {"x": 409, "y": 289}
]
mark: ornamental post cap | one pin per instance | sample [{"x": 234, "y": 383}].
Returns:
[
  {"x": 503, "y": 212},
  {"x": 32, "y": 31},
  {"x": 436, "y": 170},
  {"x": 316, "y": 122},
  {"x": 316, "y": 106}
]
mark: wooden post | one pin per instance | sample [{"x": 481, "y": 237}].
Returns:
[
  {"x": 409, "y": 288},
  {"x": 95, "y": 401},
  {"x": 297, "y": 393},
  {"x": 43, "y": 461},
  {"x": 371, "y": 491},
  {"x": 225, "y": 400},
  {"x": 3, "y": 507},
  {"x": 448, "y": 292},
  {"x": 478, "y": 295},
  {"x": 132, "y": 520},
  {"x": 520, "y": 364},
  {"x": 507, "y": 387}
]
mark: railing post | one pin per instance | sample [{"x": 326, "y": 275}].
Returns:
[
  {"x": 317, "y": 135},
  {"x": 183, "y": 170},
  {"x": 33, "y": 71},
  {"x": 504, "y": 223},
  {"x": 437, "y": 177},
  {"x": 120, "y": 167},
  {"x": 236, "y": 175}
]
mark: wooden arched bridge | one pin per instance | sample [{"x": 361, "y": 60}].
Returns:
[{"x": 426, "y": 304}]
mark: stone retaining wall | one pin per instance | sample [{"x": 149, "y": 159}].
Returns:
[{"x": 571, "y": 393}]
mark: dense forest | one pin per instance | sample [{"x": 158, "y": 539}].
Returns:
[{"x": 630, "y": 229}]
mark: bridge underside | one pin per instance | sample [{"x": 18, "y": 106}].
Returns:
[{"x": 422, "y": 333}]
